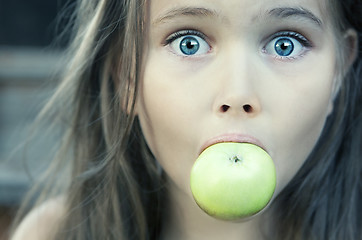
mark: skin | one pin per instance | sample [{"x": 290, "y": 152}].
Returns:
[
  {"x": 42, "y": 222},
  {"x": 186, "y": 100}
]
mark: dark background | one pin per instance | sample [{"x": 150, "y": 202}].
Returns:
[
  {"x": 29, "y": 22},
  {"x": 29, "y": 56}
]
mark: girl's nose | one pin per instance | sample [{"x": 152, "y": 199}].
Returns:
[
  {"x": 237, "y": 92},
  {"x": 244, "y": 109},
  {"x": 239, "y": 107}
]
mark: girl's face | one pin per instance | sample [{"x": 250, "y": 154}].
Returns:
[{"x": 237, "y": 70}]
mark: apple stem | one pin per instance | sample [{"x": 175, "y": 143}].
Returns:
[{"x": 235, "y": 159}]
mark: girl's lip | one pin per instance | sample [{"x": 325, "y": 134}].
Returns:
[{"x": 240, "y": 138}]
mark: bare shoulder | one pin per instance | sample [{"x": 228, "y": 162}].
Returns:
[{"x": 41, "y": 223}]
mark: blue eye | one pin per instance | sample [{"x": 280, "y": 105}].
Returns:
[
  {"x": 188, "y": 43},
  {"x": 284, "y": 47},
  {"x": 287, "y": 45}
]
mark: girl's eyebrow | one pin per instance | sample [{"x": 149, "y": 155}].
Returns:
[
  {"x": 280, "y": 12},
  {"x": 285, "y": 12},
  {"x": 186, "y": 11}
]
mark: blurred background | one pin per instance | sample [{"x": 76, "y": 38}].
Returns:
[{"x": 28, "y": 64}]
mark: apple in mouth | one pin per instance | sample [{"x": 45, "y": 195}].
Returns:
[{"x": 232, "y": 181}]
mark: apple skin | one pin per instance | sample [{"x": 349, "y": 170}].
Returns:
[{"x": 232, "y": 181}]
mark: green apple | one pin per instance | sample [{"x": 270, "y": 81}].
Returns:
[{"x": 232, "y": 181}]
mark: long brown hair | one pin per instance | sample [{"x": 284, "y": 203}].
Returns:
[{"x": 114, "y": 188}]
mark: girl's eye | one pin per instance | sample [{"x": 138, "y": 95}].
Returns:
[
  {"x": 287, "y": 45},
  {"x": 284, "y": 46},
  {"x": 187, "y": 43}
]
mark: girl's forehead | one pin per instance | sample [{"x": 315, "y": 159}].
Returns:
[{"x": 161, "y": 10}]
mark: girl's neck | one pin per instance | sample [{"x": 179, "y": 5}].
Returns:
[{"x": 185, "y": 220}]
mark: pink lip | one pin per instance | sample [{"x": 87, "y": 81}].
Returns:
[{"x": 241, "y": 138}]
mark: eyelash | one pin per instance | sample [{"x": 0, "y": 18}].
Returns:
[
  {"x": 183, "y": 33},
  {"x": 297, "y": 36}
]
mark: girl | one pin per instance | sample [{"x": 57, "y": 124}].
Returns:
[{"x": 149, "y": 84}]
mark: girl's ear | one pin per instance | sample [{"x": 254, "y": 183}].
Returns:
[
  {"x": 126, "y": 95},
  {"x": 135, "y": 107},
  {"x": 131, "y": 97},
  {"x": 350, "y": 40},
  {"x": 348, "y": 56},
  {"x": 125, "y": 88}
]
